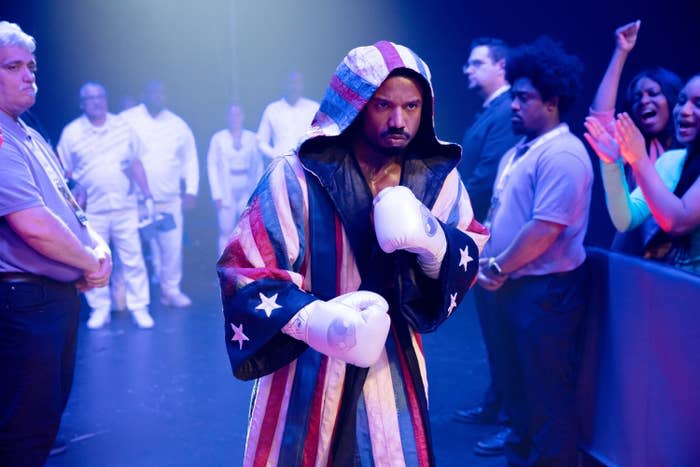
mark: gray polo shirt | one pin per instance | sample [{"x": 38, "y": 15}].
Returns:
[
  {"x": 25, "y": 184},
  {"x": 550, "y": 182}
]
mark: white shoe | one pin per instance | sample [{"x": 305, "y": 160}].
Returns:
[
  {"x": 142, "y": 319},
  {"x": 177, "y": 299},
  {"x": 98, "y": 318}
]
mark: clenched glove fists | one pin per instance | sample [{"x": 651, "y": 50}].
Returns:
[
  {"x": 401, "y": 222},
  {"x": 351, "y": 327}
]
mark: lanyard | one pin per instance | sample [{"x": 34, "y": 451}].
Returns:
[
  {"x": 515, "y": 155},
  {"x": 521, "y": 150}
]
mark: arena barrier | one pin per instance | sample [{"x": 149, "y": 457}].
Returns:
[{"x": 639, "y": 382}]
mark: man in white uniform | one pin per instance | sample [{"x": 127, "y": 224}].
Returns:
[
  {"x": 171, "y": 157},
  {"x": 101, "y": 151},
  {"x": 286, "y": 120}
]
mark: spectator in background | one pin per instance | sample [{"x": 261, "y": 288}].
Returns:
[
  {"x": 48, "y": 251},
  {"x": 234, "y": 166},
  {"x": 491, "y": 134},
  {"x": 102, "y": 152},
  {"x": 668, "y": 190},
  {"x": 285, "y": 121},
  {"x": 169, "y": 160},
  {"x": 485, "y": 142},
  {"x": 649, "y": 98},
  {"x": 533, "y": 262}
]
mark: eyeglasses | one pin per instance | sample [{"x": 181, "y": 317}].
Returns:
[{"x": 472, "y": 63}]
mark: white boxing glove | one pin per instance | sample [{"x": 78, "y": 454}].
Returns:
[
  {"x": 401, "y": 222},
  {"x": 352, "y": 327}
]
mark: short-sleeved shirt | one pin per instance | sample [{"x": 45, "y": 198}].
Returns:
[
  {"x": 25, "y": 184},
  {"x": 99, "y": 158},
  {"x": 282, "y": 125},
  {"x": 551, "y": 182},
  {"x": 171, "y": 153}
]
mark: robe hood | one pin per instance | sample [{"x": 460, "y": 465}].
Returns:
[{"x": 357, "y": 78}]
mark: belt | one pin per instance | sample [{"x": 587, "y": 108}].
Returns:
[
  {"x": 20, "y": 277},
  {"x": 26, "y": 278}
]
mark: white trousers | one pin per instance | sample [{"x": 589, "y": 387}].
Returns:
[
  {"x": 166, "y": 249},
  {"x": 120, "y": 229}
]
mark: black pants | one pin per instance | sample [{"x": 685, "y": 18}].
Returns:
[
  {"x": 38, "y": 327},
  {"x": 538, "y": 319},
  {"x": 493, "y": 398}
]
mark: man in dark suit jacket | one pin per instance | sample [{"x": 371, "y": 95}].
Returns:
[
  {"x": 491, "y": 134},
  {"x": 485, "y": 142}
]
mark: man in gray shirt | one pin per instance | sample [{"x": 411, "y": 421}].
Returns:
[
  {"x": 47, "y": 254},
  {"x": 532, "y": 264}
]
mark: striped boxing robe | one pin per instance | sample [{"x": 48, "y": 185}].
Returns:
[{"x": 306, "y": 235}]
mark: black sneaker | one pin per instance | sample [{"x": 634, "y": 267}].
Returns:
[
  {"x": 494, "y": 444},
  {"x": 476, "y": 415}
]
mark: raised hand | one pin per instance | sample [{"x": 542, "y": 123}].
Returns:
[
  {"x": 603, "y": 144},
  {"x": 626, "y": 36},
  {"x": 632, "y": 145}
]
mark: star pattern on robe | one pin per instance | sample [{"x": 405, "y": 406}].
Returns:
[
  {"x": 453, "y": 302},
  {"x": 267, "y": 304},
  {"x": 464, "y": 258},
  {"x": 238, "y": 335}
]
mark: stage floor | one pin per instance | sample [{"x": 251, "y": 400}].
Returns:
[{"x": 167, "y": 397}]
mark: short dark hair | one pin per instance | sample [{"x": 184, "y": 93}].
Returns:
[
  {"x": 552, "y": 71},
  {"x": 498, "y": 49},
  {"x": 670, "y": 84}
]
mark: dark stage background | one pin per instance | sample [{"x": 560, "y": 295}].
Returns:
[{"x": 211, "y": 52}]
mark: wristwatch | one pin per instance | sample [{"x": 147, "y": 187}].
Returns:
[{"x": 494, "y": 267}]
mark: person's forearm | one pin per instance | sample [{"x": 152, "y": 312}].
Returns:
[
  {"x": 138, "y": 174},
  {"x": 616, "y": 195},
  {"x": 534, "y": 238},
  {"x": 50, "y": 236},
  {"x": 264, "y": 134},
  {"x": 606, "y": 95},
  {"x": 97, "y": 240},
  {"x": 190, "y": 172},
  {"x": 669, "y": 211},
  {"x": 267, "y": 150}
]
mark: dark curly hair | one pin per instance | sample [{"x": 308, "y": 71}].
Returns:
[{"x": 552, "y": 71}]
